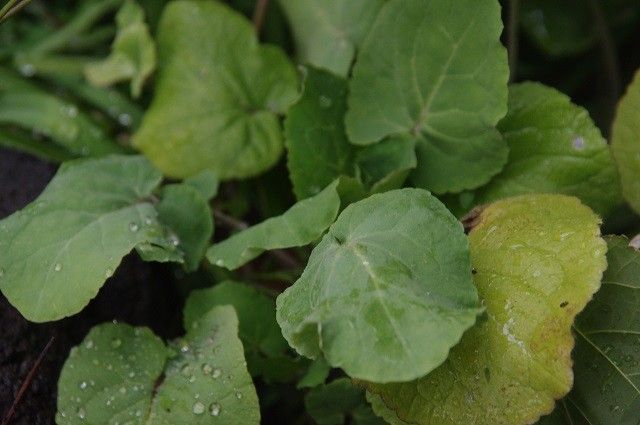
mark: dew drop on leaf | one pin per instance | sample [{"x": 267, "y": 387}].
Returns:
[
  {"x": 116, "y": 343},
  {"x": 57, "y": 267},
  {"x": 207, "y": 369},
  {"x": 83, "y": 385},
  {"x": 133, "y": 227},
  {"x": 198, "y": 408},
  {"x": 81, "y": 413},
  {"x": 214, "y": 409},
  {"x": 216, "y": 373}
]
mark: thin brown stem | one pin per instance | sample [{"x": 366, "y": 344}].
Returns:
[
  {"x": 513, "y": 37},
  {"x": 229, "y": 221},
  {"x": 259, "y": 14},
  {"x": 6, "y": 14},
  {"x": 27, "y": 382}
]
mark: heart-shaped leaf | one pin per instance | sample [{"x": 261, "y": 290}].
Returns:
[
  {"x": 387, "y": 292},
  {"x": 218, "y": 96},
  {"x": 538, "y": 259}
]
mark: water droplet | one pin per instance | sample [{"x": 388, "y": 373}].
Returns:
[
  {"x": 186, "y": 370},
  {"x": 192, "y": 379},
  {"x": 122, "y": 390},
  {"x": 133, "y": 227},
  {"x": 578, "y": 143},
  {"x": 214, "y": 409},
  {"x": 28, "y": 70},
  {"x": 198, "y": 408},
  {"x": 108, "y": 273},
  {"x": 184, "y": 348},
  {"x": 216, "y": 373},
  {"x": 57, "y": 267},
  {"x": 83, "y": 385},
  {"x": 116, "y": 343},
  {"x": 219, "y": 263},
  {"x": 148, "y": 221},
  {"x": 124, "y": 120},
  {"x": 89, "y": 344},
  {"x": 132, "y": 375},
  {"x": 238, "y": 395},
  {"x": 71, "y": 111},
  {"x": 635, "y": 242},
  {"x": 81, "y": 413},
  {"x": 325, "y": 102},
  {"x": 207, "y": 369}
]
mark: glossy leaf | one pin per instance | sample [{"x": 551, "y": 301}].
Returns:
[
  {"x": 387, "y": 292},
  {"x": 626, "y": 143},
  {"x": 208, "y": 383},
  {"x": 302, "y": 224},
  {"x": 328, "y": 32},
  {"x": 538, "y": 259},
  {"x": 124, "y": 375},
  {"x": 133, "y": 53},
  {"x": 606, "y": 389},
  {"x": 443, "y": 82},
  {"x": 318, "y": 151},
  {"x": 554, "y": 147},
  {"x": 333, "y": 403},
  {"x": 59, "y": 250},
  {"x": 110, "y": 377},
  {"x": 218, "y": 96},
  {"x": 49, "y": 116},
  {"x": 185, "y": 211}
]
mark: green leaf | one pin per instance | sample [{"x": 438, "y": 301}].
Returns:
[
  {"x": 316, "y": 374},
  {"x": 435, "y": 71},
  {"x": 328, "y": 32},
  {"x": 121, "y": 374},
  {"x": 110, "y": 377},
  {"x": 333, "y": 403},
  {"x": 625, "y": 143},
  {"x": 606, "y": 389},
  {"x": 218, "y": 96},
  {"x": 133, "y": 53},
  {"x": 300, "y": 225},
  {"x": 256, "y": 311},
  {"x": 538, "y": 259},
  {"x": 58, "y": 120},
  {"x": 386, "y": 165},
  {"x": 205, "y": 182},
  {"x": 186, "y": 212},
  {"x": 387, "y": 292},
  {"x": 208, "y": 383},
  {"x": 318, "y": 151},
  {"x": 554, "y": 147}
]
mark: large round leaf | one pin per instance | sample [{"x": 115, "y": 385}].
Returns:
[
  {"x": 538, "y": 260},
  {"x": 387, "y": 292}
]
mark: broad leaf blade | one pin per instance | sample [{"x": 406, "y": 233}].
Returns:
[
  {"x": 554, "y": 147},
  {"x": 300, "y": 225},
  {"x": 387, "y": 292},
  {"x": 436, "y": 71},
  {"x": 626, "y": 143},
  {"x": 538, "y": 260},
  {"x": 218, "y": 95},
  {"x": 328, "y": 32},
  {"x": 606, "y": 358}
]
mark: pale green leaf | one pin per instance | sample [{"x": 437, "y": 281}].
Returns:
[
  {"x": 318, "y": 151},
  {"x": 328, "y": 32},
  {"x": 206, "y": 182},
  {"x": 133, "y": 53},
  {"x": 110, "y": 377},
  {"x": 316, "y": 374},
  {"x": 333, "y": 403},
  {"x": 435, "y": 71},
  {"x": 554, "y": 147},
  {"x": 606, "y": 388},
  {"x": 626, "y": 143},
  {"x": 387, "y": 292},
  {"x": 62, "y": 122},
  {"x": 59, "y": 250},
  {"x": 538, "y": 259},
  {"x": 218, "y": 95},
  {"x": 300, "y": 225},
  {"x": 208, "y": 383},
  {"x": 124, "y": 375},
  {"x": 183, "y": 209}
]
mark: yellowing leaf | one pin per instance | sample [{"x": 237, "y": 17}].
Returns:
[{"x": 538, "y": 260}]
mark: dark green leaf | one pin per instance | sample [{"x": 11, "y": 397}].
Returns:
[{"x": 333, "y": 403}]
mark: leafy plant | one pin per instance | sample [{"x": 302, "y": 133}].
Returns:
[{"x": 429, "y": 252}]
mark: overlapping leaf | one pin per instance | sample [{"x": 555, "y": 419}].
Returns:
[
  {"x": 218, "y": 96},
  {"x": 607, "y": 354},
  {"x": 626, "y": 143},
  {"x": 435, "y": 71},
  {"x": 538, "y": 259},
  {"x": 328, "y": 32},
  {"x": 121, "y": 374},
  {"x": 554, "y": 147},
  {"x": 387, "y": 292}
]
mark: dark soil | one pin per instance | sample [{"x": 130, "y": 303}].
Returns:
[{"x": 139, "y": 293}]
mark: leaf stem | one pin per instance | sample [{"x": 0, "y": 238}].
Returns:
[
  {"x": 229, "y": 221},
  {"x": 27, "y": 382},
  {"x": 259, "y": 14},
  {"x": 513, "y": 37},
  {"x": 11, "y": 8}
]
